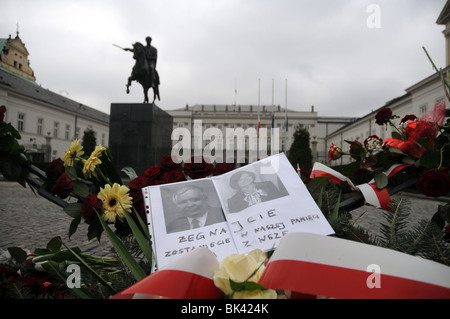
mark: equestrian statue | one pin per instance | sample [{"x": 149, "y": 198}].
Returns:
[{"x": 144, "y": 70}]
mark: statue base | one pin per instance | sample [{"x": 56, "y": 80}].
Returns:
[{"x": 139, "y": 135}]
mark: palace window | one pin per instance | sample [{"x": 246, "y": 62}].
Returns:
[
  {"x": 40, "y": 125},
  {"x": 55, "y": 129},
  {"x": 423, "y": 109},
  {"x": 20, "y": 122},
  {"x": 67, "y": 132}
]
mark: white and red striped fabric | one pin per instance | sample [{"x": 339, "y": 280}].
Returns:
[
  {"x": 188, "y": 277},
  {"x": 308, "y": 265},
  {"x": 319, "y": 265},
  {"x": 372, "y": 194}
]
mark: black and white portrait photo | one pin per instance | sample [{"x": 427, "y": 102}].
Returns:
[
  {"x": 250, "y": 207},
  {"x": 251, "y": 189},
  {"x": 190, "y": 205}
]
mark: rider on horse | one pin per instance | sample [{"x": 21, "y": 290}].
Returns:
[{"x": 144, "y": 71}]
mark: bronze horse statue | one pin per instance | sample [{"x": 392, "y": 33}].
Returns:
[{"x": 143, "y": 72}]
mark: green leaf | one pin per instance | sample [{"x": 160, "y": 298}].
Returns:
[
  {"x": 317, "y": 183},
  {"x": 396, "y": 135},
  {"x": 92, "y": 271},
  {"x": 80, "y": 189},
  {"x": 430, "y": 159},
  {"x": 131, "y": 173},
  {"x": 18, "y": 254},
  {"x": 395, "y": 150},
  {"x": 335, "y": 214},
  {"x": 142, "y": 223},
  {"x": 423, "y": 141},
  {"x": 141, "y": 240},
  {"x": 71, "y": 172},
  {"x": 349, "y": 169},
  {"x": 122, "y": 251},
  {"x": 381, "y": 180},
  {"x": 383, "y": 158},
  {"x": 94, "y": 231},
  {"x": 81, "y": 292},
  {"x": 73, "y": 210},
  {"x": 246, "y": 285},
  {"x": 319, "y": 200},
  {"x": 11, "y": 169},
  {"x": 108, "y": 167},
  {"x": 74, "y": 225},
  {"x": 54, "y": 243}
]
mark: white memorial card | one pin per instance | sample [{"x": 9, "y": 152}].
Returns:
[{"x": 250, "y": 207}]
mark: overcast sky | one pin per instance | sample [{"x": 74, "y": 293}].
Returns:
[{"x": 335, "y": 54}]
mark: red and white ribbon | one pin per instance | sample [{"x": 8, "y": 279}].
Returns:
[
  {"x": 378, "y": 197},
  {"x": 320, "y": 265},
  {"x": 308, "y": 265},
  {"x": 188, "y": 277}
]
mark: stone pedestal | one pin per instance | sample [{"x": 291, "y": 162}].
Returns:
[{"x": 139, "y": 135}]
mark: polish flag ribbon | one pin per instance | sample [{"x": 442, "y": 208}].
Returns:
[
  {"x": 318, "y": 265},
  {"x": 372, "y": 194},
  {"x": 307, "y": 265},
  {"x": 188, "y": 277}
]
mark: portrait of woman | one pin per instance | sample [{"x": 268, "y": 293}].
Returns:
[{"x": 249, "y": 192}]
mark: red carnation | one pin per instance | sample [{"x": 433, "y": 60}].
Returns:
[
  {"x": 153, "y": 173},
  {"x": 167, "y": 163},
  {"x": 409, "y": 117},
  {"x": 55, "y": 169},
  {"x": 139, "y": 182},
  {"x": 136, "y": 195},
  {"x": 435, "y": 183},
  {"x": 63, "y": 186},
  {"x": 173, "y": 176},
  {"x": 383, "y": 116},
  {"x": 91, "y": 204},
  {"x": 352, "y": 147}
]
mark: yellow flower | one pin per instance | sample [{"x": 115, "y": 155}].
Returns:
[
  {"x": 114, "y": 198},
  {"x": 98, "y": 150},
  {"x": 92, "y": 162},
  {"x": 239, "y": 267},
  {"x": 74, "y": 150}
]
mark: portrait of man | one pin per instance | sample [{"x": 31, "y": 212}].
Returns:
[
  {"x": 249, "y": 192},
  {"x": 188, "y": 207}
]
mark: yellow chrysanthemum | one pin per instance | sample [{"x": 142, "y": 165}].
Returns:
[
  {"x": 74, "y": 150},
  {"x": 98, "y": 150},
  {"x": 115, "y": 199},
  {"x": 92, "y": 162}
]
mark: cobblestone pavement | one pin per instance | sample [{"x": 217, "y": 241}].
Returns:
[{"x": 30, "y": 221}]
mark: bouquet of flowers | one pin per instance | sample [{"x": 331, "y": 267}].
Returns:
[
  {"x": 422, "y": 144},
  {"x": 414, "y": 140}
]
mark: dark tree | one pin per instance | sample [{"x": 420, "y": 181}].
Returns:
[
  {"x": 300, "y": 151},
  {"x": 89, "y": 141}
]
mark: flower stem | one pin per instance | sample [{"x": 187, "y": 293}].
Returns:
[{"x": 100, "y": 173}]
